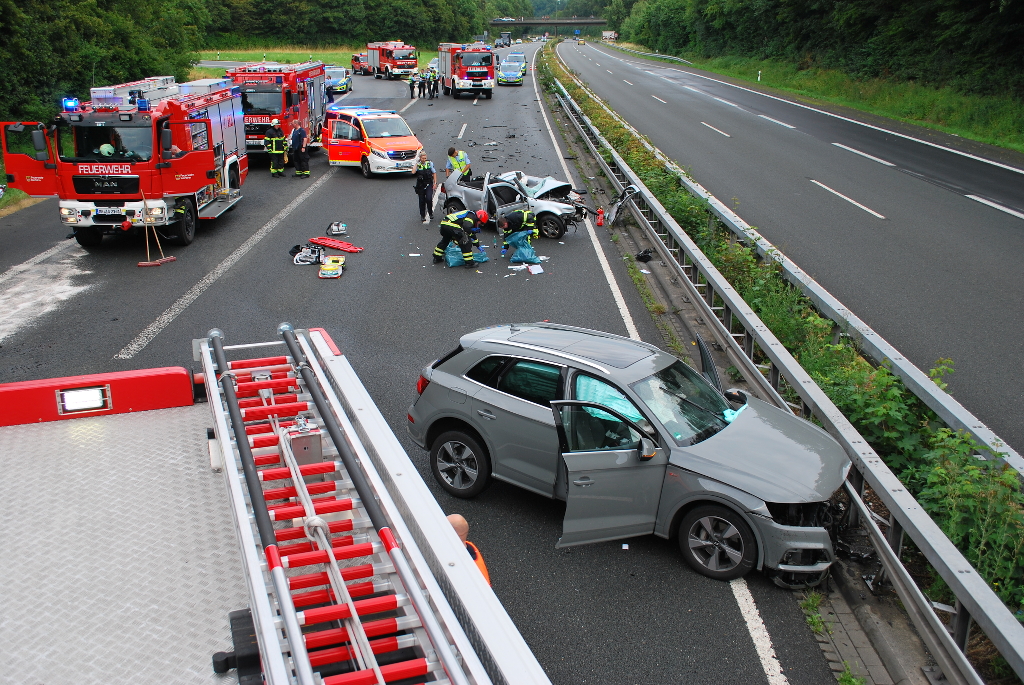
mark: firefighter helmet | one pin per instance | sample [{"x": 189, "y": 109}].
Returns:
[
  {"x": 481, "y": 216},
  {"x": 274, "y": 122},
  {"x": 107, "y": 150}
]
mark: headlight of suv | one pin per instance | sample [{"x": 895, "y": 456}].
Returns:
[{"x": 379, "y": 153}]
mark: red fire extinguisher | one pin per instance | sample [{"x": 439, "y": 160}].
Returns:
[{"x": 600, "y": 216}]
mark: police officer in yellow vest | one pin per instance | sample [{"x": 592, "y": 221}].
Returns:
[
  {"x": 458, "y": 160},
  {"x": 276, "y": 145}
]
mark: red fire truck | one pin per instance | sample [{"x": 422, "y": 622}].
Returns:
[
  {"x": 391, "y": 59},
  {"x": 294, "y": 94},
  {"x": 466, "y": 69},
  {"x": 151, "y": 152}
]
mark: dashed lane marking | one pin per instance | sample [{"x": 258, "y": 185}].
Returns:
[
  {"x": 411, "y": 103},
  {"x": 627, "y": 82},
  {"x": 715, "y": 129},
  {"x": 659, "y": 99},
  {"x": 1001, "y": 208},
  {"x": 851, "y": 201},
  {"x": 193, "y": 293},
  {"x": 776, "y": 121},
  {"x": 864, "y": 154},
  {"x": 462, "y": 130}
]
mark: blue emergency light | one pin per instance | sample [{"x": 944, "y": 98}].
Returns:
[
  {"x": 142, "y": 104},
  {"x": 70, "y": 104},
  {"x": 279, "y": 79}
]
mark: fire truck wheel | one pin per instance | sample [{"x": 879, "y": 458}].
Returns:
[
  {"x": 186, "y": 227},
  {"x": 233, "y": 179},
  {"x": 446, "y": 91},
  {"x": 89, "y": 236},
  {"x": 364, "y": 165},
  {"x": 487, "y": 94},
  {"x": 376, "y": 73},
  {"x": 456, "y": 93}
]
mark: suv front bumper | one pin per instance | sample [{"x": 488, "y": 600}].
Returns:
[{"x": 795, "y": 556}]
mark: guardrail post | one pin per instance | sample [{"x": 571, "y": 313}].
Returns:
[
  {"x": 856, "y": 479},
  {"x": 961, "y": 626},
  {"x": 748, "y": 345},
  {"x": 773, "y": 376}
]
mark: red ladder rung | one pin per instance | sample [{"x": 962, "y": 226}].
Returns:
[
  {"x": 304, "y": 469},
  {"x": 336, "y": 636},
  {"x": 267, "y": 459},
  {"x": 391, "y": 673},
  {"x": 265, "y": 427},
  {"x": 312, "y": 488},
  {"x": 381, "y": 646},
  {"x": 290, "y": 409},
  {"x": 328, "y": 506},
  {"x": 314, "y": 579},
  {"x": 300, "y": 547},
  {"x": 279, "y": 400},
  {"x": 276, "y": 373},
  {"x": 364, "y": 549},
  {"x": 283, "y": 534},
  {"x": 253, "y": 363},
  {"x": 364, "y": 607},
  {"x": 306, "y": 599},
  {"x": 252, "y": 388}
]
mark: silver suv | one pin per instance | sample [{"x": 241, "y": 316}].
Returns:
[{"x": 636, "y": 442}]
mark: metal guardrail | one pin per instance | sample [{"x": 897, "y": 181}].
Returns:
[
  {"x": 723, "y": 310},
  {"x": 870, "y": 343}
]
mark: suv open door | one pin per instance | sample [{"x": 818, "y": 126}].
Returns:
[
  {"x": 29, "y": 157},
  {"x": 501, "y": 198},
  {"x": 615, "y": 474}
]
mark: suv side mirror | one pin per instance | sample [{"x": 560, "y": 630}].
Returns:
[
  {"x": 735, "y": 395},
  {"x": 647, "y": 449}
]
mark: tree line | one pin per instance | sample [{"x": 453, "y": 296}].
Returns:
[
  {"x": 52, "y": 49},
  {"x": 973, "y": 46}
]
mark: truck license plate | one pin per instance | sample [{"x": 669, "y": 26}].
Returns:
[{"x": 109, "y": 210}]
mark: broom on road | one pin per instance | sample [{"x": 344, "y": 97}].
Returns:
[{"x": 146, "y": 226}]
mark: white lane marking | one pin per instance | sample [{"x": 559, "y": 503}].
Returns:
[
  {"x": 411, "y": 103},
  {"x": 864, "y": 154},
  {"x": 694, "y": 89},
  {"x": 776, "y": 121},
  {"x": 193, "y": 293},
  {"x": 996, "y": 206},
  {"x": 852, "y": 202},
  {"x": 33, "y": 289},
  {"x": 715, "y": 129},
  {"x": 659, "y": 99},
  {"x": 462, "y": 130},
  {"x": 731, "y": 104},
  {"x": 597, "y": 64},
  {"x": 853, "y": 121},
  {"x": 620, "y": 302},
  {"x": 29, "y": 263},
  {"x": 758, "y": 633},
  {"x": 625, "y": 81},
  {"x": 608, "y": 70},
  {"x": 342, "y": 97}
]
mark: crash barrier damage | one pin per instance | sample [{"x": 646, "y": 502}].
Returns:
[{"x": 724, "y": 311}]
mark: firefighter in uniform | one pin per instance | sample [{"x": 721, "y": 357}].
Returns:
[
  {"x": 458, "y": 160},
  {"x": 461, "y": 227},
  {"x": 276, "y": 145},
  {"x": 519, "y": 220}
]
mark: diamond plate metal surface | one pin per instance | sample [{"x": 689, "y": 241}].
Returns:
[{"x": 119, "y": 558}]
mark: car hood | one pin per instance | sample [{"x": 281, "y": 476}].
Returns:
[
  {"x": 535, "y": 187},
  {"x": 396, "y": 143},
  {"x": 771, "y": 454}
]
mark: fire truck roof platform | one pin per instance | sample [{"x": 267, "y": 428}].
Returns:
[
  {"x": 137, "y": 527},
  {"x": 121, "y": 560}
]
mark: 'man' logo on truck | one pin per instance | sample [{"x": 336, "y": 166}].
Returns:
[{"x": 104, "y": 168}]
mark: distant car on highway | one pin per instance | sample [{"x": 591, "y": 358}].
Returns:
[
  {"x": 360, "y": 65},
  {"x": 338, "y": 79},
  {"x": 581, "y": 42},
  {"x": 519, "y": 41},
  {"x": 635, "y": 442},
  {"x": 512, "y": 69}
]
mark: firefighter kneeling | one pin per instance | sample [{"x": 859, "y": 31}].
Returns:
[
  {"x": 519, "y": 220},
  {"x": 461, "y": 227}
]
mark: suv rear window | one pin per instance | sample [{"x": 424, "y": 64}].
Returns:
[
  {"x": 485, "y": 371},
  {"x": 445, "y": 358}
]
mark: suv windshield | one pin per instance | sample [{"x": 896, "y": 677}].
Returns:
[
  {"x": 106, "y": 143},
  {"x": 261, "y": 101},
  {"x": 689, "y": 408},
  {"x": 386, "y": 127},
  {"x": 476, "y": 59}
]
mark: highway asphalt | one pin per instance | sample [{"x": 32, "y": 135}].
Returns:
[
  {"x": 592, "y": 614},
  {"x": 893, "y": 234}
]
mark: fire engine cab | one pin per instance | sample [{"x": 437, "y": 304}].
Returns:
[
  {"x": 151, "y": 152},
  {"x": 466, "y": 69},
  {"x": 391, "y": 59},
  {"x": 294, "y": 94}
]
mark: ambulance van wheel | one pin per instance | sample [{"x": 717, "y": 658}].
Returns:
[{"x": 364, "y": 166}]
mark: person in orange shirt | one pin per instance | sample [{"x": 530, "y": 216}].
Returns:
[{"x": 461, "y": 527}]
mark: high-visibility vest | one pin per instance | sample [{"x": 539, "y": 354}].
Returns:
[
  {"x": 275, "y": 143},
  {"x": 460, "y": 161},
  {"x": 478, "y": 559}
]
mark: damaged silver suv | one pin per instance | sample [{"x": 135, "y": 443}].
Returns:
[{"x": 635, "y": 442}]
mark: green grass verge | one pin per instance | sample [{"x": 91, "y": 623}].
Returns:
[
  {"x": 987, "y": 119},
  {"x": 340, "y": 55},
  {"x": 978, "y": 504},
  {"x": 12, "y": 195}
]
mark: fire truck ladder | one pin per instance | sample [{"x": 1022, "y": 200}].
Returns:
[{"x": 333, "y": 595}]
